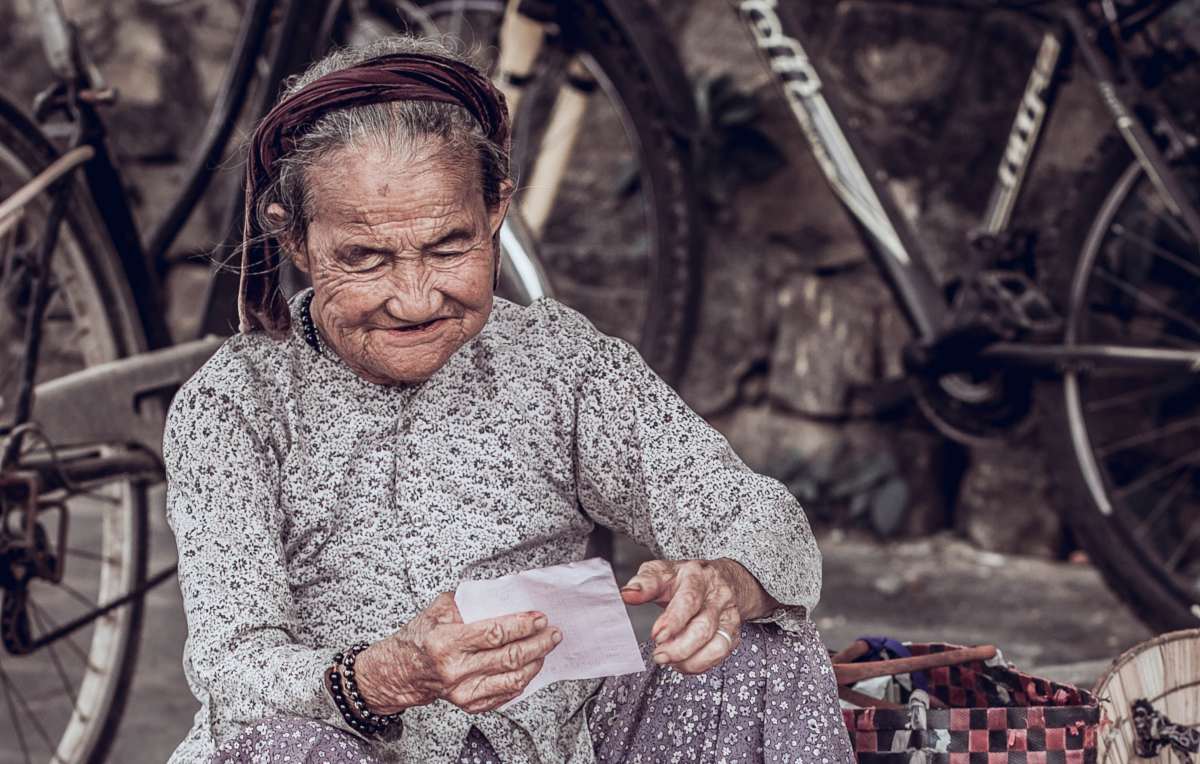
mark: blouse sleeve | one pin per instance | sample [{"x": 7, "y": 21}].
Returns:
[
  {"x": 242, "y": 654},
  {"x": 650, "y": 467}
]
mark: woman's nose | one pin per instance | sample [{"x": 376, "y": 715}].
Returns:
[{"x": 413, "y": 295}]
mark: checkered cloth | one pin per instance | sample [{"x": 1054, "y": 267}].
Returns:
[{"x": 996, "y": 714}]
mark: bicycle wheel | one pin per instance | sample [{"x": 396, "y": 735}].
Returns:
[
  {"x": 620, "y": 239},
  {"x": 1127, "y": 440},
  {"x": 63, "y": 701}
]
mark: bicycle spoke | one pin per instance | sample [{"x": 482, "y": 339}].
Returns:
[
  {"x": 33, "y": 720},
  {"x": 1148, "y": 300},
  {"x": 1108, "y": 449},
  {"x": 1160, "y": 507},
  {"x": 1178, "y": 261},
  {"x": 83, "y": 655},
  {"x": 1155, "y": 475},
  {"x": 62, "y": 675},
  {"x": 71, "y": 590},
  {"x": 1105, "y": 313},
  {"x": 16, "y": 721},
  {"x": 1186, "y": 543},
  {"x": 1130, "y": 396}
]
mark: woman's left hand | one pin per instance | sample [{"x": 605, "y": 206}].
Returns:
[{"x": 700, "y": 597}]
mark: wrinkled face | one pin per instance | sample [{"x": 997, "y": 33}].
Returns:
[{"x": 399, "y": 250}]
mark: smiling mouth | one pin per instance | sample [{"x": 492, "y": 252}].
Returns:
[{"x": 418, "y": 328}]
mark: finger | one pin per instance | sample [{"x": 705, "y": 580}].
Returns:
[
  {"x": 651, "y": 583},
  {"x": 717, "y": 649},
  {"x": 514, "y": 655},
  {"x": 444, "y": 609},
  {"x": 493, "y": 686},
  {"x": 492, "y": 633},
  {"x": 691, "y": 590},
  {"x": 695, "y": 634}
]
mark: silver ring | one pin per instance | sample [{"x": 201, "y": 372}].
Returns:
[{"x": 728, "y": 639}]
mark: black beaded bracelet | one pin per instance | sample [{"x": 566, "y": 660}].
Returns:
[{"x": 349, "y": 701}]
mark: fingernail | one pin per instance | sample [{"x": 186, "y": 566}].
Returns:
[
  {"x": 556, "y": 637},
  {"x": 660, "y": 658},
  {"x": 631, "y": 587},
  {"x": 664, "y": 635},
  {"x": 540, "y": 622}
]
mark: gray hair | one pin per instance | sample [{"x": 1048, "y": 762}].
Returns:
[{"x": 385, "y": 125}]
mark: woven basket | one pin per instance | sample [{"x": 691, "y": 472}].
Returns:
[{"x": 993, "y": 714}]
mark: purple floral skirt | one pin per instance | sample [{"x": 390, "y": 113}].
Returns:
[{"x": 773, "y": 700}]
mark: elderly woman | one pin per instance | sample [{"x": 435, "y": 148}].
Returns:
[{"x": 341, "y": 464}]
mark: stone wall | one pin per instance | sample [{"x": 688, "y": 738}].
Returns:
[{"x": 800, "y": 343}]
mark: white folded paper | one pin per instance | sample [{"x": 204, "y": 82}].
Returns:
[{"x": 581, "y": 599}]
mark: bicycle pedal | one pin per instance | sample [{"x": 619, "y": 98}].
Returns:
[
  {"x": 1007, "y": 302},
  {"x": 1017, "y": 302}
]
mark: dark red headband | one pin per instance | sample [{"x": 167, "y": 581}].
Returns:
[{"x": 395, "y": 77}]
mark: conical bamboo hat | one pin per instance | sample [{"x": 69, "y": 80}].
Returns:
[{"x": 1166, "y": 672}]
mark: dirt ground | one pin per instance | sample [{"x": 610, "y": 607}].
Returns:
[{"x": 1056, "y": 619}]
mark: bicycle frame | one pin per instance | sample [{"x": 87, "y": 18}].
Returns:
[{"x": 856, "y": 179}]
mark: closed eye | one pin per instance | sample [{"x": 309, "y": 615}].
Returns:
[
  {"x": 362, "y": 258},
  {"x": 453, "y": 243}
]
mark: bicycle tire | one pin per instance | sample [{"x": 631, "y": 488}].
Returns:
[
  {"x": 663, "y": 158},
  {"x": 1075, "y": 442},
  {"x": 670, "y": 324},
  {"x": 96, "y": 293}
]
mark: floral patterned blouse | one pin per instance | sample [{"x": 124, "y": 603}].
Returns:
[{"x": 313, "y": 509}]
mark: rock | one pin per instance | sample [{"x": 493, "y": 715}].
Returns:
[
  {"x": 896, "y": 56},
  {"x": 1004, "y": 503},
  {"x": 844, "y": 474},
  {"x": 889, "y": 585},
  {"x": 733, "y": 331},
  {"x": 927, "y": 463},
  {"x": 838, "y": 338},
  {"x": 767, "y": 439}
]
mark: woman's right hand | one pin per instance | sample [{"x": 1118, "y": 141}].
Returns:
[{"x": 477, "y": 667}]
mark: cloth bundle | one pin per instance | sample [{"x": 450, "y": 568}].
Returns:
[{"x": 978, "y": 713}]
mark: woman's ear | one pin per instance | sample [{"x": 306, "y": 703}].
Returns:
[
  {"x": 496, "y": 214},
  {"x": 299, "y": 257},
  {"x": 495, "y": 220},
  {"x": 295, "y": 250}
]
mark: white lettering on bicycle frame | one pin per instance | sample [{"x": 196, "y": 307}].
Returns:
[
  {"x": 1030, "y": 114},
  {"x": 802, "y": 87},
  {"x": 784, "y": 53},
  {"x": 1026, "y": 128}
]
